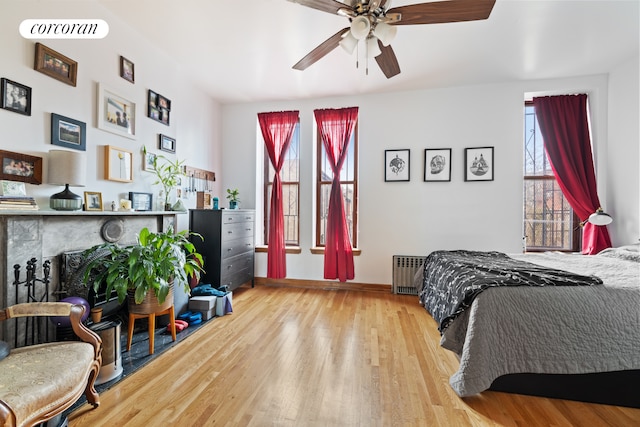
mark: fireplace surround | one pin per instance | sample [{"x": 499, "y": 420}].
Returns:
[{"x": 46, "y": 235}]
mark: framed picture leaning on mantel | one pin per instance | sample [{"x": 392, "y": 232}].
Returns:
[{"x": 20, "y": 167}]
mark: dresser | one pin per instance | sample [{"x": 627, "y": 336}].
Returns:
[{"x": 228, "y": 245}]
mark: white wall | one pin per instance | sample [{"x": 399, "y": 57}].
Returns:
[
  {"x": 195, "y": 117},
  {"x": 416, "y": 218},
  {"x": 624, "y": 154}
]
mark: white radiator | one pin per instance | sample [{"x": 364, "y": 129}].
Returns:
[{"x": 404, "y": 269}]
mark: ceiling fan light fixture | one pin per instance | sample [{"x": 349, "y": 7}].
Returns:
[
  {"x": 348, "y": 42},
  {"x": 360, "y": 27},
  {"x": 373, "y": 49},
  {"x": 385, "y": 32}
]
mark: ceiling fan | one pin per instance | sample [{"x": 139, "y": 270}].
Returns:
[{"x": 372, "y": 22}]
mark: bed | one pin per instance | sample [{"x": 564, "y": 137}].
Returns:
[{"x": 514, "y": 330}]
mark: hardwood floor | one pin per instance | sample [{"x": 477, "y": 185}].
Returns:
[{"x": 312, "y": 357}]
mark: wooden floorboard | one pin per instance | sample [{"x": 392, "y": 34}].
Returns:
[{"x": 291, "y": 356}]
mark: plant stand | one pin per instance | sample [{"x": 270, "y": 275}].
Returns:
[{"x": 152, "y": 326}]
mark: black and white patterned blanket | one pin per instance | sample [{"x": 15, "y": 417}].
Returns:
[{"x": 452, "y": 280}]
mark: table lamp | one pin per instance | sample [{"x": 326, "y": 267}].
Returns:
[{"x": 68, "y": 168}]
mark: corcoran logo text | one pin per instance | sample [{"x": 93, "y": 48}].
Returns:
[{"x": 64, "y": 29}]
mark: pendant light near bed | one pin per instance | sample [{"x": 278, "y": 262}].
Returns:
[{"x": 599, "y": 217}]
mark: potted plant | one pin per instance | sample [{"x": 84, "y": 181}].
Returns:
[
  {"x": 156, "y": 263},
  {"x": 233, "y": 196},
  {"x": 168, "y": 174}
]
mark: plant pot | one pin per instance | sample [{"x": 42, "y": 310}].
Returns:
[
  {"x": 150, "y": 304},
  {"x": 233, "y": 205},
  {"x": 96, "y": 314}
]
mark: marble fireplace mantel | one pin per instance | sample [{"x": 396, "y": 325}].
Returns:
[{"x": 46, "y": 234}]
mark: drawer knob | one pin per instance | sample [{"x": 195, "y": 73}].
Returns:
[{"x": 229, "y": 249}]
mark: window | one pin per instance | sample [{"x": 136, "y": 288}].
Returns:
[
  {"x": 349, "y": 184},
  {"x": 290, "y": 176},
  {"x": 549, "y": 221}
]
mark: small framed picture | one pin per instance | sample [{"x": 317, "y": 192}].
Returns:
[
  {"x": 437, "y": 164},
  {"x": 141, "y": 201},
  {"x": 12, "y": 188},
  {"x": 396, "y": 165},
  {"x": 67, "y": 132},
  {"x": 118, "y": 164},
  {"x": 92, "y": 201},
  {"x": 55, "y": 65},
  {"x": 148, "y": 159},
  {"x": 115, "y": 113},
  {"x": 127, "y": 69},
  {"x": 21, "y": 167},
  {"x": 15, "y": 97},
  {"x": 158, "y": 107},
  {"x": 478, "y": 164},
  {"x": 167, "y": 144}
]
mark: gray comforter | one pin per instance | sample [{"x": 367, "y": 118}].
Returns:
[{"x": 561, "y": 330}]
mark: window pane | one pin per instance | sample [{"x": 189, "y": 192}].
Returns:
[
  {"x": 290, "y": 178},
  {"x": 548, "y": 218},
  {"x": 348, "y": 179}
]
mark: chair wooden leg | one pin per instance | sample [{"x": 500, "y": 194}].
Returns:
[
  {"x": 132, "y": 319},
  {"x": 152, "y": 332}
]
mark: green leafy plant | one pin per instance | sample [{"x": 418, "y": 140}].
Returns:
[
  {"x": 233, "y": 195},
  {"x": 156, "y": 261},
  {"x": 168, "y": 173}
]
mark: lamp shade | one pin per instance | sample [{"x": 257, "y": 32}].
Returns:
[
  {"x": 599, "y": 217},
  {"x": 360, "y": 27},
  {"x": 349, "y": 42},
  {"x": 385, "y": 32},
  {"x": 373, "y": 49},
  {"x": 68, "y": 168}
]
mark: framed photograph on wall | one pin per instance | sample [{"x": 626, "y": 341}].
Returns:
[
  {"x": 478, "y": 164},
  {"x": 147, "y": 161},
  {"x": 396, "y": 165},
  {"x": 118, "y": 164},
  {"x": 158, "y": 107},
  {"x": 92, "y": 201},
  {"x": 437, "y": 164},
  {"x": 166, "y": 144},
  {"x": 116, "y": 114},
  {"x": 21, "y": 167},
  {"x": 127, "y": 69},
  {"x": 15, "y": 97},
  {"x": 55, "y": 64},
  {"x": 141, "y": 201},
  {"x": 67, "y": 132}
]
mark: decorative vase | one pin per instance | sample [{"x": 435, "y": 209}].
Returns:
[{"x": 150, "y": 304}]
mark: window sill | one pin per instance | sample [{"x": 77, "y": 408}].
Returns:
[
  {"x": 288, "y": 249},
  {"x": 319, "y": 250}
]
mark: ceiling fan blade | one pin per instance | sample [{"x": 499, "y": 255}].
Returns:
[
  {"x": 387, "y": 61},
  {"x": 324, "y": 48},
  {"x": 330, "y": 6},
  {"x": 443, "y": 11}
]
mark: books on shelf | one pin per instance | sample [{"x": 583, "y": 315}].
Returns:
[{"x": 18, "y": 203}]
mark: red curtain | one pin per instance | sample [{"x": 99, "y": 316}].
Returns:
[
  {"x": 335, "y": 127},
  {"x": 277, "y": 129},
  {"x": 565, "y": 128}
]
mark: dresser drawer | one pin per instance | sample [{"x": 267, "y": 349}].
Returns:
[
  {"x": 235, "y": 247},
  {"x": 237, "y": 230},
  {"x": 229, "y": 217},
  {"x": 237, "y": 278},
  {"x": 236, "y": 263}
]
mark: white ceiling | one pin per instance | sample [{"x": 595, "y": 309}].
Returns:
[{"x": 243, "y": 51}]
